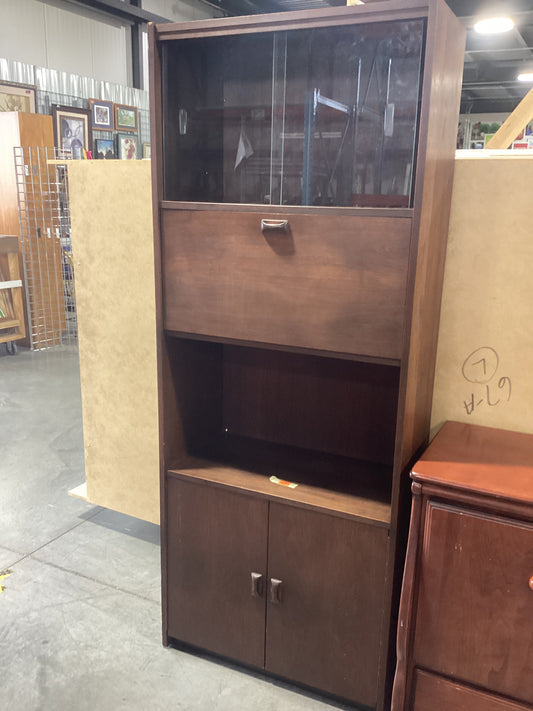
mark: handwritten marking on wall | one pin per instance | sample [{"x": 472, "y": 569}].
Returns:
[{"x": 480, "y": 369}]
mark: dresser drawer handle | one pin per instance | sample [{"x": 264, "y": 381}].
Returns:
[
  {"x": 530, "y": 583},
  {"x": 282, "y": 225}
]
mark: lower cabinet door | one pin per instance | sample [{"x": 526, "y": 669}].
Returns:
[
  {"x": 325, "y": 601},
  {"x": 216, "y": 549},
  {"x": 433, "y": 693}
]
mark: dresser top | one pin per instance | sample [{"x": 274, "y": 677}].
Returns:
[{"x": 481, "y": 460}]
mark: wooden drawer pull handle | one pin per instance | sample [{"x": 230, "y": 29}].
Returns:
[
  {"x": 530, "y": 583},
  {"x": 275, "y": 591},
  {"x": 282, "y": 225},
  {"x": 257, "y": 585}
]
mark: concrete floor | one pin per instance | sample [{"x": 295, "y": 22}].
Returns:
[{"x": 80, "y": 613}]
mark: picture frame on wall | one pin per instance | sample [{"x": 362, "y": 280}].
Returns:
[
  {"x": 104, "y": 149},
  {"x": 102, "y": 116},
  {"x": 147, "y": 151},
  {"x": 126, "y": 118},
  {"x": 72, "y": 129},
  {"x": 17, "y": 97},
  {"x": 127, "y": 145}
]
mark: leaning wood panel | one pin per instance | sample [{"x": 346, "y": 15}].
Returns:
[
  {"x": 485, "y": 349},
  {"x": 326, "y": 283},
  {"x": 115, "y": 296}
]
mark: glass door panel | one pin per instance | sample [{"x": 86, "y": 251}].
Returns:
[{"x": 324, "y": 116}]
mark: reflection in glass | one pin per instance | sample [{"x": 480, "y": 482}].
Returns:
[{"x": 326, "y": 116}]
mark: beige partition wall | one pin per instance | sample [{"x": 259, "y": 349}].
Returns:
[
  {"x": 485, "y": 355},
  {"x": 112, "y": 244},
  {"x": 484, "y": 369}
]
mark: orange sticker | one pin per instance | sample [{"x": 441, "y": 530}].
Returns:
[{"x": 282, "y": 482}]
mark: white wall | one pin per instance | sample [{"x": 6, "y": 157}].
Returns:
[
  {"x": 58, "y": 35},
  {"x": 78, "y": 42}
]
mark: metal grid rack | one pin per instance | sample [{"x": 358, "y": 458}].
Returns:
[{"x": 42, "y": 186}]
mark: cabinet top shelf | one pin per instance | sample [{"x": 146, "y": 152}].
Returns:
[{"x": 279, "y": 21}]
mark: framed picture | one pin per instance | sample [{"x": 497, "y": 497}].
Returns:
[
  {"x": 101, "y": 114},
  {"x": 72, "y": 130},
  {"x": 126, "y": 118},
  {"x": 105, "y": 148},
  {"x": 17, "y": 97},
  {"x": 126, "y": 146},
  {"x": 147, "y": 150}
]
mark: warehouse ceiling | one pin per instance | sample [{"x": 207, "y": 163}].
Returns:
[{"x": 492, "y": 62}]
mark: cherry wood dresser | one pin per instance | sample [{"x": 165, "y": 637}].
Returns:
[{"x": 465, "y": 632}]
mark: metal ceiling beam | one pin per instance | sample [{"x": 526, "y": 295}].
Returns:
[
  {"x": 122, "y": 10},
  {"x": 471, "y": 8},
  {"x": 248, "y": 7}
]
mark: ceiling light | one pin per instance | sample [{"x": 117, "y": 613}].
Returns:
[
  {"x": 525, "y": 76},
  {"x": 493, "y": 25}
]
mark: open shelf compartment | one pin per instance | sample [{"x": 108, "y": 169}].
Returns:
[{"x": 248, "y": 414}]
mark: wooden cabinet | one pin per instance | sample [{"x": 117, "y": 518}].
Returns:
[
  {"x": 247, "y": 573},
  {"x": 302, "y": 170},
  {"x": 467, "y": 599}
]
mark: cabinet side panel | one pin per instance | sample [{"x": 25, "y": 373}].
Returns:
[
  {"x": 438, "y": 133},
  {"x": 326, "y": 630},
  {"x": 216, "y": 540}
]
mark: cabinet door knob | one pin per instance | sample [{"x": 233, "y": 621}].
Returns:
[
  {"x": 530, "y": 583},
  {"x": 257, "y": 585},
  {"x": 282, "y": 225},
  {"x": 275, "y": 591}
]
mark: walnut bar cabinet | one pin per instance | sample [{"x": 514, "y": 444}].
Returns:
[{"x": 302, "y": 170}]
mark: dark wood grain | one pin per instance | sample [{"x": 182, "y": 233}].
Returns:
[
  {"x": 433, "y": 189},
  {"x": 324, "y": 631},
  {"x": 328, "y": 283},
  {"x": 216, "y": 540},
  {"x": 289, "y": 209},
  {"x": 348, "y": 488},
  {"x": 441, "y": 91},
  {"x": 407, "y": 611},
  {"x": 381, "y": 11},
  {"x": 311, "y": 402},
  {"x": 474, "y": 614},
  {"x": 433, "y": 693},
  {"x": 350, "y": 283}
]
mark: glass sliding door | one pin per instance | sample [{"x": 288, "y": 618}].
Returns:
[{"x": 324, "y": 116}]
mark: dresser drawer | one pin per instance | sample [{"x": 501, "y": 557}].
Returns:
[
  {"x": 432, "y": 693},
  {"x": 475, "y": 608},
  {"x": 327, "y": 282}
]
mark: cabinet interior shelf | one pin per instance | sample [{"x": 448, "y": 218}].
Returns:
[{"x": 346, "y": 486}]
